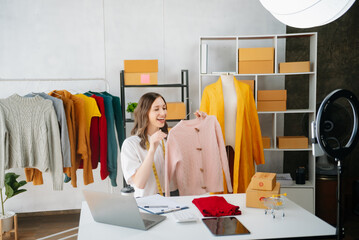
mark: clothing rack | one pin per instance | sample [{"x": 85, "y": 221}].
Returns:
[{"x": 111, "y": 190}]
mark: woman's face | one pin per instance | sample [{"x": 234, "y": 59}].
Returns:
[{"x": 157, "y": 113}]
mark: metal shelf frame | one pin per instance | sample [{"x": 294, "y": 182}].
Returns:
[{"x": 184, "y": 85}]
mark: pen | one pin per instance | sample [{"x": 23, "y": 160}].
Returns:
[
  {"x": 170, "y": 210},
  {"x": 156, "y": 206}
]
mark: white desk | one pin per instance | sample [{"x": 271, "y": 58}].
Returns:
[{"x": 297, "y": 223}]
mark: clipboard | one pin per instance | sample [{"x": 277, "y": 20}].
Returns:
[{"x": 157, "y": 204}]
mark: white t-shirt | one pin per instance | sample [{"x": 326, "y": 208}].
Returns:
[{"x": 132, "y": 156}]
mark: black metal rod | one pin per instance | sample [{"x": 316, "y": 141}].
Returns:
[
  {"x": 187, "y": 93},
  {"x": 123, "y": 104},
  {"x": 182, "y": 82},
  {"x": 187, "y": 83},
  {"x": 339, "y": 229}
]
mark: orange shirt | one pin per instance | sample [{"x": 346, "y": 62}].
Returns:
[{"x": 81, "y": 137}]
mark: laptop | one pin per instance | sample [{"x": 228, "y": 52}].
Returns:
[{"x": 119, "y": 210}]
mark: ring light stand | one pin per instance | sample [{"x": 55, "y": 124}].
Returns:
[{"x": 338, "y": 151}]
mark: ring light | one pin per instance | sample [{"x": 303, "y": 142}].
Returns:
[
  {"x": 334, "y": 140},
  {"x": 307, "y": 13},
  {"x": 330, "y": 145}
]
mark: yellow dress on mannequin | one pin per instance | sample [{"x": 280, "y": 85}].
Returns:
[{"x": 248, "y": 146}]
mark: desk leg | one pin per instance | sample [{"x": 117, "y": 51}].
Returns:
[
  {"x": 1, "y": 234},
  {"x": 15, "y": 226}
]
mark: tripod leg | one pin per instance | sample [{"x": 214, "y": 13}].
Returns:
[{"x": 340, "y": 228}]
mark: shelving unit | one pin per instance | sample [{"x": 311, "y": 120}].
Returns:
[
  {"x": 303, "y": 195},
  {"x": 184, "y": 94}
]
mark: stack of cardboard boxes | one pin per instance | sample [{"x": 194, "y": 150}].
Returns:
[
  {"x": 176, "y": 110},
  {"x": 266, "y": 142},
  {"x": 141, "y": 72},
  {"x": 292, "y": 142},
  {"x": 255, "y": 60},
  {"x": 262, "y": 185},
  {"x": 293, "y": 67},
  {"x": 272, "y": 100},
  {"x": 250, "y": 83}
]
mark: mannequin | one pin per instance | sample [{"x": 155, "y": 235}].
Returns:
[
  {"x": 230, "y": 109},
  {"x": 236, "y": 120}
]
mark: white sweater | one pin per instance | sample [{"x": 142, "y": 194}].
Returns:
[{"x": 29, "y": 137}]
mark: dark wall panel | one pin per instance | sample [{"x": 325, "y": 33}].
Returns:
[{"x": 338, "y": 67}]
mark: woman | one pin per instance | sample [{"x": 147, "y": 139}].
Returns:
[{"x": 143, "y": 154}]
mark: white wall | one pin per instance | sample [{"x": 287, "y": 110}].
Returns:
[
  {"x": 51, "y": 39},
  {"x": 89, "y": 39}
]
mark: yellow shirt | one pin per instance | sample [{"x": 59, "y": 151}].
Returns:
[
  {"x": 248, "y": 146},
  {"x": 91, "y": 110}
]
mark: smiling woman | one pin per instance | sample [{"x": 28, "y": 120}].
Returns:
[
  {"x": 143, "y": 154},
  {"x": 150, "y": 115}
]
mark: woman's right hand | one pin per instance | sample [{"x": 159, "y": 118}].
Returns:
[
  {"x": 141, "y": 176},
  {"x": 200, "y": 114},
  {"x": 155, "y": 139}
]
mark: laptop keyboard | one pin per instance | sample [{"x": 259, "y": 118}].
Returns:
[{"x": 147, "y": 222}]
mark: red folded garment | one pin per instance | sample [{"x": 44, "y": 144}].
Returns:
[{"x": 215, "y": 207}]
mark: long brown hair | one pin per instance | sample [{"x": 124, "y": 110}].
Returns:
[{"x": 141, "y": 117}]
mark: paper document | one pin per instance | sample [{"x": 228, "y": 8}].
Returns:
[{"x": 158, "y": 204}]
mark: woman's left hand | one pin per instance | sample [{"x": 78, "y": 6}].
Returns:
[{"x": 200, "y": 114}]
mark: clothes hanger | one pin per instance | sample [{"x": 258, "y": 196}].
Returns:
[
  {"x": 185, "y": 118},
  {"x": 94, "y": 92},
  {"x": 54, "y": 91},
  {"x": 227, "y": 74},
  {"x": 189, "y": 113}
]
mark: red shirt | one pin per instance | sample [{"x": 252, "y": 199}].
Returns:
[
  {"x": 215, "y": 206},
  {"x": 98, "y": 139}
]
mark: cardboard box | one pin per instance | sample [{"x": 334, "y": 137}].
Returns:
[
  {"x": 293, "y": 67},
  {"x": 141, "y": 66},
  {"x": 271, "y": 105},
  {"x": 272, "y": 95},
  {"x": 249, "y": 82},
  {"x": 140, "y": 78},
  {"x": 253, "y": 196},
  {"x": 176, "y": 110},
  {"x": 263, "y": 181},
  {"x": 292, "y": 142},
  {"x": 255, "y": 60},
  {"x": 266, "y": 142}
]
